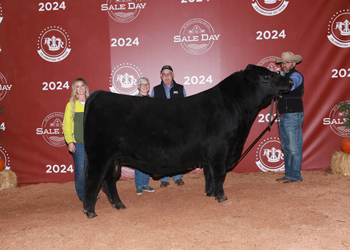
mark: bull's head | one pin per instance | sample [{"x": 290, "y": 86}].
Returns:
[{"x": 268, "y": 84}]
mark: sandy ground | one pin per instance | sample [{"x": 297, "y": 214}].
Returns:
[{"x": 259, "y": 214}]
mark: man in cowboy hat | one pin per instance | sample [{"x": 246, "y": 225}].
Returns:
[{"x": 290, "y": 107}]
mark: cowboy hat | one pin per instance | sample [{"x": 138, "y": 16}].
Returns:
[{"x": 288, "y": 56}]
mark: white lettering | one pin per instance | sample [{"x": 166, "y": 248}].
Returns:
[
  {"x": 41, "y": 131},
  {"x": 5, "y": 87},
  {"x": 329, "y": 121},
  {"x": 206, "y": 37},
  {"x": 133, "y": 6},
  {"x": 177, "y": 39},
  {"x": 105, "y": 7}
]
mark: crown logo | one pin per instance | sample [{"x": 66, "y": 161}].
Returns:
[
  {"x": 343, "y": 27},
  {"x": 273, "y": 155},
  {"x": 270, "y": 1},
  {"x": 126, "y": 80},
  {"x": 53, "y": 43}
]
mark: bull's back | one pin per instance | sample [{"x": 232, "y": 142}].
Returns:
[{"x": 149, "y": 114}]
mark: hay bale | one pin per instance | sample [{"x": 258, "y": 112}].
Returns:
[
  {"x": 340, "y": 163},
  {"x": 8, "y": 179}
]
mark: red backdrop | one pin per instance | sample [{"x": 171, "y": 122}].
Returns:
[{"x": 45, "y": 45}]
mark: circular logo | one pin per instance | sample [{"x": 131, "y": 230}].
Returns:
[
  {"x": 124, "y": 78},
  {"x": 128, "y": 172},
  {"x": 53, "y": 44},
  {"x": 51, "y": 129},
  {"x": 123, "y": 11},
  {"x": 5, "y": 156},
  {"x": 269, "y": 156},
  {"x": 196, "y": 36},
  {"x": 339, "y": 29},
  {"x": 3, "y": 87},
  {"x": 336, "y": 121},
  {"x": 269, "y": 63},
  {"x": 269, "y": 7}
]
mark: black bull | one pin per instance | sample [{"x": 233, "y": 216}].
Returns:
[{"x": 169, "y": 136}]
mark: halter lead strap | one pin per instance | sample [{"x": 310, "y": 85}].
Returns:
[{"x": 259, "y": 137}]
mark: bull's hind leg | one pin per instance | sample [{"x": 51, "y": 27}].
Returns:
[
  {"x": 218, "y": 172},
  {"x": 109, "y": 185},
  {"x": 209, "y": 185},
  {"x": 92, "y": 185}
]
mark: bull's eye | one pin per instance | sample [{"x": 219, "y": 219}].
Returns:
[{"x": 266, "y": 77}]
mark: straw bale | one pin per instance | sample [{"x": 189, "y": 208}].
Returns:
[
  {"x": 340, "y": 163},
  {"x": 8, "y": 179}
]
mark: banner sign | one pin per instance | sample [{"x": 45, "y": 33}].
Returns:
[{"x": 45, "y": 45}]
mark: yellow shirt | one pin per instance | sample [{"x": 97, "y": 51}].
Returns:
[{"x": 68, "y": 122}]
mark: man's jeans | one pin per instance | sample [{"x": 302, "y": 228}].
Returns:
[
  {"x": 79, "y": 159},
  {"x": 175, "y": 178},
  {"x": 141, "y": 179},
  {"x": 292, "y": 143}
]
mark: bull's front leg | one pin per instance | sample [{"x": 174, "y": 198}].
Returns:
[{"x": 218, "y": 172}]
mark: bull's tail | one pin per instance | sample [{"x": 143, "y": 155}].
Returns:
[{"x": 117, "y": 171}]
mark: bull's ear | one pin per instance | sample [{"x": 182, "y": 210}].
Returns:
[
  {"x": 251, "y": 74},
  {"x": 249, "y": 67}
]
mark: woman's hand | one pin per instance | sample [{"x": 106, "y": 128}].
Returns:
[{"x": 71, "y": 147}]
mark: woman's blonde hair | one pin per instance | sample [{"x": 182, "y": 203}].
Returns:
[{"x": 74, "y": 95}]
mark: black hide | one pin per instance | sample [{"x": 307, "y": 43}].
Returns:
[{"x": 169, "y": 136}]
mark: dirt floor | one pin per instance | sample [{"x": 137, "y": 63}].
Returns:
[{"x": 259, "y": 214}]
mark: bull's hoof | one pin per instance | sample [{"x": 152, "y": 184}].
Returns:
[
  {"x": 90, "y": 215},
  {"x": 224, "y": 198},
  {"x": 119, "y": 206},
  {"x": 210, "y": 194}
]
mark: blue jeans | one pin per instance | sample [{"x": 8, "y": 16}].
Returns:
[
  {"x": 79, "y": 159},
  {"x": 141, "y": 179},
  {"x": 175, "y": 178},
  {"x": 292, "y": 143}
]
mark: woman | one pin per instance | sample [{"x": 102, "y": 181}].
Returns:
[
  {"x": 141, "y": 179},
  {"x": 73, "y": 130}
]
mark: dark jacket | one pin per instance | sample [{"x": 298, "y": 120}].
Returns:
[
  {"x": 177, "y": 91},
  {"x": 292, "y": 101}
]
